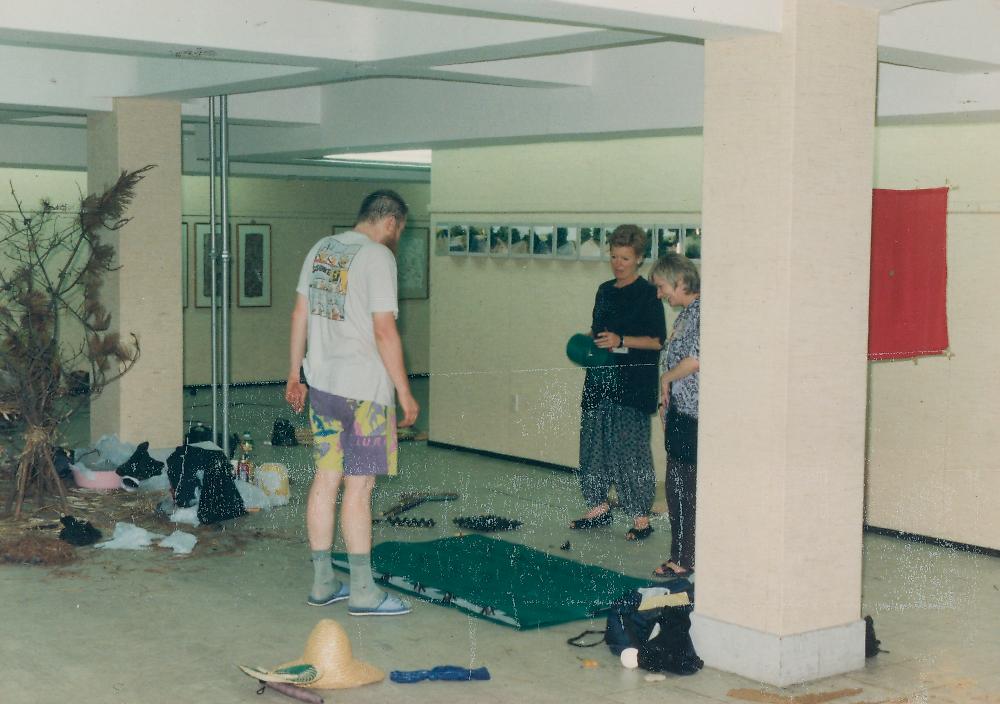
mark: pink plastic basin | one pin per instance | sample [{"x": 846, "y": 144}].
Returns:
[{"x": 106, "y": 481}]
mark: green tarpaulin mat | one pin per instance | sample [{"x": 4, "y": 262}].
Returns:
[{"x": 504, "y": 582}]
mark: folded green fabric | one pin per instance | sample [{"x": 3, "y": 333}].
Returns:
[{"x": 496, "y": 580}]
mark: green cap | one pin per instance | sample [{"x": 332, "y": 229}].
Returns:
[{"x": 582, "y": 350}]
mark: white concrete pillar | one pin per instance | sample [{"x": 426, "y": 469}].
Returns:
[
  {"x": 144, "y": 296},
  {"x": 789, "y": 130}
]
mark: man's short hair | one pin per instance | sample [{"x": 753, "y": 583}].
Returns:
[{"x": 381, "y": 204}]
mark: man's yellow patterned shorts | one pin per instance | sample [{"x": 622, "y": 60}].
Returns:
[{"x": 357, "y": 438}]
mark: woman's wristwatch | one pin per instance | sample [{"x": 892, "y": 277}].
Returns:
[{"x": 621, "y": 341}]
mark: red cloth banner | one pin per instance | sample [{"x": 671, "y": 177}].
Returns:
[{"x": 907, "y": 315}]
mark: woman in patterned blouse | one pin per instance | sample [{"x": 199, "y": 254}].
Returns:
[{"x": 678, "y": 283}]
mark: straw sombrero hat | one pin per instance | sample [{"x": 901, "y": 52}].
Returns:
[{"x": 326, "y": 663}]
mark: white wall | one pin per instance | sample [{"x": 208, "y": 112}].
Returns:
[
  {"x": 500, "y": 379},
  {"x": 499, "y": 328},
  {"x": 933, "y": 465}
]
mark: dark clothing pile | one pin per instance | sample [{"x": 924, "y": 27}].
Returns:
[{"x": 220, "y": 500}]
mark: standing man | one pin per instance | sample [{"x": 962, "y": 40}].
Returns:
[{"x": 346, "y": 308}]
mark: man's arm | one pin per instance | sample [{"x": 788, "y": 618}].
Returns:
[
  {"x": 295, "y": 390},
  {"x": 390, "y": 349}
]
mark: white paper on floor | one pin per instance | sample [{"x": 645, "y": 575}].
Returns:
[
  {"x": 187, "y": 515},
  {"x": 128, "y": 536},
  {"x": 159, "y": 482},
  {"x": 182, "y": 543}
]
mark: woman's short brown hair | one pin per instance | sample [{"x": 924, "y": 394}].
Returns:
[{"x": 629, "y": 236}]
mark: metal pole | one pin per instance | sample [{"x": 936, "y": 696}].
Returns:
[
  {"x": 212, "y": 227},
  {"x": 224, "y": 133}
]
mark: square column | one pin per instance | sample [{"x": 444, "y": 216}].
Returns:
[
  {"x": 144, "y": 295},
  {"x": 788, "y": 139}
]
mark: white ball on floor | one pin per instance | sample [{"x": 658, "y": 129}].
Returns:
[{"x": 630, "y": 658}]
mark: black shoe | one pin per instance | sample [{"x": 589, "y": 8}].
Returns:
[
  {"x": 583, "y": 523},
  {"x": 77, "y": 532},
  {"x": 639, "y": 533}
]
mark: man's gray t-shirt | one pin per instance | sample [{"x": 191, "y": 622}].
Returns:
[{"x": 346, "y": 278}]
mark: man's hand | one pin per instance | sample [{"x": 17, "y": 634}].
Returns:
[
  {"x": 295, "y": 394},
  {"x": 411, "y": 409}
]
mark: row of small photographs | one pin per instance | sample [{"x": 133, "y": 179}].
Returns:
[{"x": 558, "y": 242}]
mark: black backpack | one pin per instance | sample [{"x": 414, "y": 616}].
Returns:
[
  {"x": 627, "y": 627},
  {"x": 671, "y": 650},
  {"x": 283, "y": 434}
]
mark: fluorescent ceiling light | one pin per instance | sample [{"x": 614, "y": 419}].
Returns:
[{"x": 408, "y": 157}]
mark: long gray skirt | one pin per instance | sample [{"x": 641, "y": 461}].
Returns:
[{"x": 614, "y": 451}]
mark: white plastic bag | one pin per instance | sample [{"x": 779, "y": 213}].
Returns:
[{"x": 128, "y": 536}]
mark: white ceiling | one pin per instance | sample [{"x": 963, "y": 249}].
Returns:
[{"x": 312, "y": 77}]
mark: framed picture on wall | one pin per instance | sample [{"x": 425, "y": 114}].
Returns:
[
  {"x": 692, "y": 242},
  {"x": 413, "y": 262},
  {"x": 650, "y": 251},
  {"x": 184, "y": 265},
  {"x": 606, "y": 242},
  {"x": 542, "y": 240},
  {"x": 567, "y": 242},
  {"x": 337, "y": 229},
  {"x": 479, "y": 240},
  {"x": 203, "y": 265},
  {"x": 668, "y": 239},
  {"x": 254, "y": 257},
  {"x": 520, "y": 240},
  {"x": 458, "y": 239},
  {"x": 442, "y": 239},
  {"x": 591, "y": 242},
  {"x": 499, "y": 241}
]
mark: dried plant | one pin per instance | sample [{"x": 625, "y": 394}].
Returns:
[{"x": 52, "y": 266}]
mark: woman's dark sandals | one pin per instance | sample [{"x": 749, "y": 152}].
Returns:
[
  {"x": 603, "y": 519},
  {"x": 670, "y": 570},
  {"x": 639, "y": 533}
]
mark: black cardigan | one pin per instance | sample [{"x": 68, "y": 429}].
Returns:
[{"x": 632, "y": 310}]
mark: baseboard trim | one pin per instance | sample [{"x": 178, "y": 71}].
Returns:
[
  {"x": 779, "y": 660},
  {"x": 281, "y": 382},
  {"x": 501, "y": 456},
  {"x": 930, "y": 540}
]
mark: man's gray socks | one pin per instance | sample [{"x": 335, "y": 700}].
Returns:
[
  {"x": 364, "y": 593},
  {"x": 325, "y": 582}
]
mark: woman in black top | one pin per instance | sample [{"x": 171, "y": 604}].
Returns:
[{"x": 618, "y": 399}]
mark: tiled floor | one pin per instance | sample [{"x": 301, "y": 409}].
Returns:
[{"x": 146, "y": 627}]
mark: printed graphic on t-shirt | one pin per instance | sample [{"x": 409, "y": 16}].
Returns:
[{"x": 328, "y": 281}]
